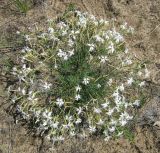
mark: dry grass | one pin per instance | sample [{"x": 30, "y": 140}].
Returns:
[{"x": 143, "y": 15}]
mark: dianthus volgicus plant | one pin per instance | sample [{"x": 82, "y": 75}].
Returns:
[{"x": 77, "y": 77}]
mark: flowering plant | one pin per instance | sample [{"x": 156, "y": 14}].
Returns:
[{"x": 77, "y": 77}]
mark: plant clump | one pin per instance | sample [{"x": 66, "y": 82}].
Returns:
[{"x": 77, "y": 77}]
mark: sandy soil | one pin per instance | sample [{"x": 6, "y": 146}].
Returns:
[{"x": 144, "y": 16}]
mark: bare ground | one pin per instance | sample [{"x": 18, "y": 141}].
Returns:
[{"x": 144, "y": 16}]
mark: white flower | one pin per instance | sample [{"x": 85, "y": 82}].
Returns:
[
  {"x": 78, "y": 121},
  {"x": 139, "y": 73},
  {"x": 55, "y": 66},
  {"x": 32, "y": 96},
  {"x": 49, "y": 20},
  {"x": 65, "y": 126},
  {"x": 115, "y": 94},
  {"x": 86, "y": 81},
  {"x": 61, "y": 25},
  {"x": 111, "y": 47},
  {"x": 142, "y": 83},
  {"x": 42, "y": 35},
  {"x": 105, "y": 132},
  {"x": 47, "y": 85},
  {"x": 123, "y": 122},
  {"x": 62, "y": 54},
  {"x": 147, "y": 73},
  {"x": 107, "y": 138},
  {"x": 70, "y": 42},
  {"x": 72, "y": 133},
  {"x": 121, "y": 88},
  {"x": 47, "y": 114},
  {"x": 64, "y": 32},
  {"x": 77, "y": 32},
  {"x": 24, "y": 66},
  {"x": 106, "y": 22},
  {"x": 83, "y": 135},
  {"x": 105, "y": 105},
  {"x": 97, "y": 110},
  {"x": 77, "y": 97},
  {"x": 26, "y": 49},
  {"x": 120, "y": 133},
  {"x": 113, "y": 122},
  {"x": 119, "y": 38},
  {"x": 130, "y": 81},
  {"x": 78, "y": 13},
  {"x": 131, "y": 29},
  {"x": 78, "y": 88},
  {"x": 27, "y": 38},
  {"x": 110, "y": 82},
  {"x": 60, "y": 138},
  {"x": 14, "y": 99},
  {"x": 92, "y": 129},
  {"x": 126, "y": 50},
  {"x": 14, "y": 69},
  {"x": 126, "y": 105},
  {"x": 91, "y": 47},
  {"x": 110, "y": 111},
  {"x": 128, "y": 62},
  {"x": 17, "y": 32},
  {"x": 112, "y": 129},
  {"x": 103, "y": 59},
  {"x": 60, "y": 102},
  {"x": 55, "y": 125},
  {"x": 50, "y": 30},
  {"x": 105, "y": 35},
  {"x": 23, "y": 91},
  {"x": 136, "y": 103},
  {"x": 92, "y": 17},
  {"x": 100, "y": 122},
  {"x": 65, "y": 57},
  {"x": 124, "y": 26},
  {"x": 99, "y": 39},
  {"x": 98, "y": 85},
  {"x": 79, "y": 110},
  {"x": 82, "y": 21},
  {"x": 69, "y": 118},
  {"x": 101, "y": 21},
  {"x": 125, "y": 116},
  {"x": 44, "y": 123},
  {"x": 71, "y": 52}
]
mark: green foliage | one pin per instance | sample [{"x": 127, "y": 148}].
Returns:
[
  {"x": 71, "y": 7},
  {"x": 77, "y": 77},
  {"x": 22, "y": 5},
  {"x": 8, "y": 64}
]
